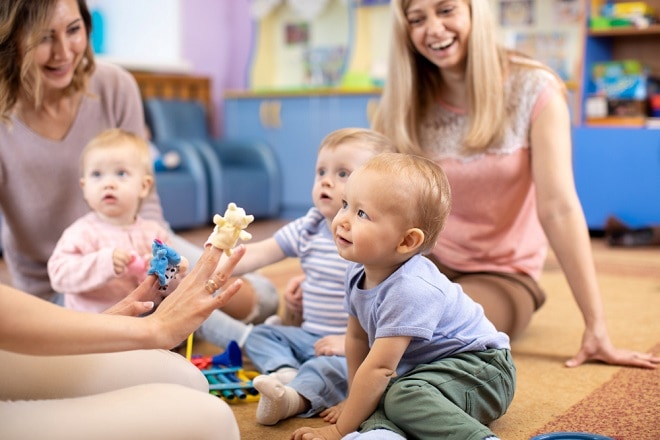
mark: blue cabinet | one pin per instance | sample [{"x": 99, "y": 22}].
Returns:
[
  {"x": 294, "y": 125},
  {"x": 617, "y": 172},
  {"x": 617, "y": 169}
]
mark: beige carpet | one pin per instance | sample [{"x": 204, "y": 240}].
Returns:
[
  {"x": 550, "y": 397},
  {"x": 547, "y": 391},
  {"x": 618, "y": 402}
]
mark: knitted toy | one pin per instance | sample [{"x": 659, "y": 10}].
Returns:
[
  {"x": 165, "y": 263},
  {"x": 230, "y": 228}
]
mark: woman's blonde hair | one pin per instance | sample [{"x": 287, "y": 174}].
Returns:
[
  {"x": 414, "y": 82},
  {"x": 22, "y": 23},
  {"x": 423, "y": 188}
]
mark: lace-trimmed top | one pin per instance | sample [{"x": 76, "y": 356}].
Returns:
[
  {"x": 493, "y": 225},
  {"x": 443, "y": 128}
]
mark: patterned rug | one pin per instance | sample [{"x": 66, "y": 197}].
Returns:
[{"x": 627, "y": 407}]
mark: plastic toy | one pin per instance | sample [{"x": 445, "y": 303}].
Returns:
[
  {"x": 231, "y": 357},
  {"x": 225, "y": 374},
  {"x": 168, "y": 161},
  {"x": 570, "y": 436},
  {"x": 164, "y": 263},
  {"x": 230, "y": 228},
  {"x": 231, "y": 383},
  {"x": 137, "y": 265}
]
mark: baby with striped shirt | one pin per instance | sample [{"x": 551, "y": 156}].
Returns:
[{"x": 309, "y": 359}]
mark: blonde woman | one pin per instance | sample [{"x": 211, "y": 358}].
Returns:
[{"x": 498, "y": 124}]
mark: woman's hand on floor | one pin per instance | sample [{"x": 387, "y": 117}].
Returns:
[{"x": 595, "y": 348}]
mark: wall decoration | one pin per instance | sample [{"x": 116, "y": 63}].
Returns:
[
  {"x": 550, "y": 48},
  {"x": 567, "y": 11},
  {"x": 517, "y": 12},
  {"x": 324, "y": 66},
  {"x": 296, "y": 33}
]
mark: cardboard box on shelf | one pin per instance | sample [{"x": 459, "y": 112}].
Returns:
[
  {"x": 595, "y": 106},
  {"x": 626, "y": 107},
  {"x": 630, "y": 9},
  {"x": 627, "y": 79},
  {"x": 654, "y": 105}
]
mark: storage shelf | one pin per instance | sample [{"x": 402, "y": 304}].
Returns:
[{"x": 653, "y": 29}]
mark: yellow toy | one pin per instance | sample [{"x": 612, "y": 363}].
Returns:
[{"x": 230, "y": 228}]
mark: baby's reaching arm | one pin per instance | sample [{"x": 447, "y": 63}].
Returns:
[
  {"x": 330, "y": 345},
  {"x": 258, "y": 255},
  {"x": 73, "y": 272}
]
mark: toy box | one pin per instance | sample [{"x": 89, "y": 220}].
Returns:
[
  {"x": 627, "y": 10},
  {"x": 620, "y": 80},
  {"x": 654, "y": 104},
  {"x": 626, "y": 107}
]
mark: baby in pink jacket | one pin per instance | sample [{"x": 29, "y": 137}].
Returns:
[{"x": 104, "y": 254}]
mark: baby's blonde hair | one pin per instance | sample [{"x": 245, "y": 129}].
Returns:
[
  {"x": 115, "y": 136},
  {"x": 425, "y": 187},
  {"x": 366, "y": 138}
]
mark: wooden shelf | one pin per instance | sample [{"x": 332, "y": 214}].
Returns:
[
  {"x": 653, "y": 29},
  {"x": 617, "y": 121}
]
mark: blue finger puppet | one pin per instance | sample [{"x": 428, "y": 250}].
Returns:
[{"x": 164, "y": 263}]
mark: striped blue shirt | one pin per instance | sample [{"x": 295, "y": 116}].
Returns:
[{"x": 309, "y": 238}]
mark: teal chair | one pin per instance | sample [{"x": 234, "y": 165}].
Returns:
[
  {"x": 183, "y": 191},
  {"x": 242, "y": 171}
]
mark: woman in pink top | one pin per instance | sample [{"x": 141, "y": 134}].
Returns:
[{"x": 498, "y": 124}]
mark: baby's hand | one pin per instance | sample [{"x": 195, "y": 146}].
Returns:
[
  {"x": 331, "y": 345},
  {"x": 331, "y": 415},
  {"x": 329, "y": 432},
  {"x": 138, "y": 265},
  {"x": 120, "y": 259},
  {"x": 293, "y": 294}
]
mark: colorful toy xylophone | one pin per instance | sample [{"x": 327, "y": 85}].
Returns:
[{"x": 226, "y": 376}]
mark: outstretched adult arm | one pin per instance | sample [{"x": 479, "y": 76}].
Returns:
[
  {"x": 32, "y": 326},
  {"x": 562, "y": 218}
]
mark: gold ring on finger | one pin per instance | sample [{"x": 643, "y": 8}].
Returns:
[{"x": 211, "y": 286}]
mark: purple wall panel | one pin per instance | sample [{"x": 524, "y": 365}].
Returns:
[{"x": 217, "y": 40}]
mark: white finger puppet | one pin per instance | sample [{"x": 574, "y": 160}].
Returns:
[{"x": 230, "y": 228}]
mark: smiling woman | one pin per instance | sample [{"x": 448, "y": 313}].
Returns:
[
  {"x": 54, "y": 98},
  {"x": 498, "y": 123}
]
